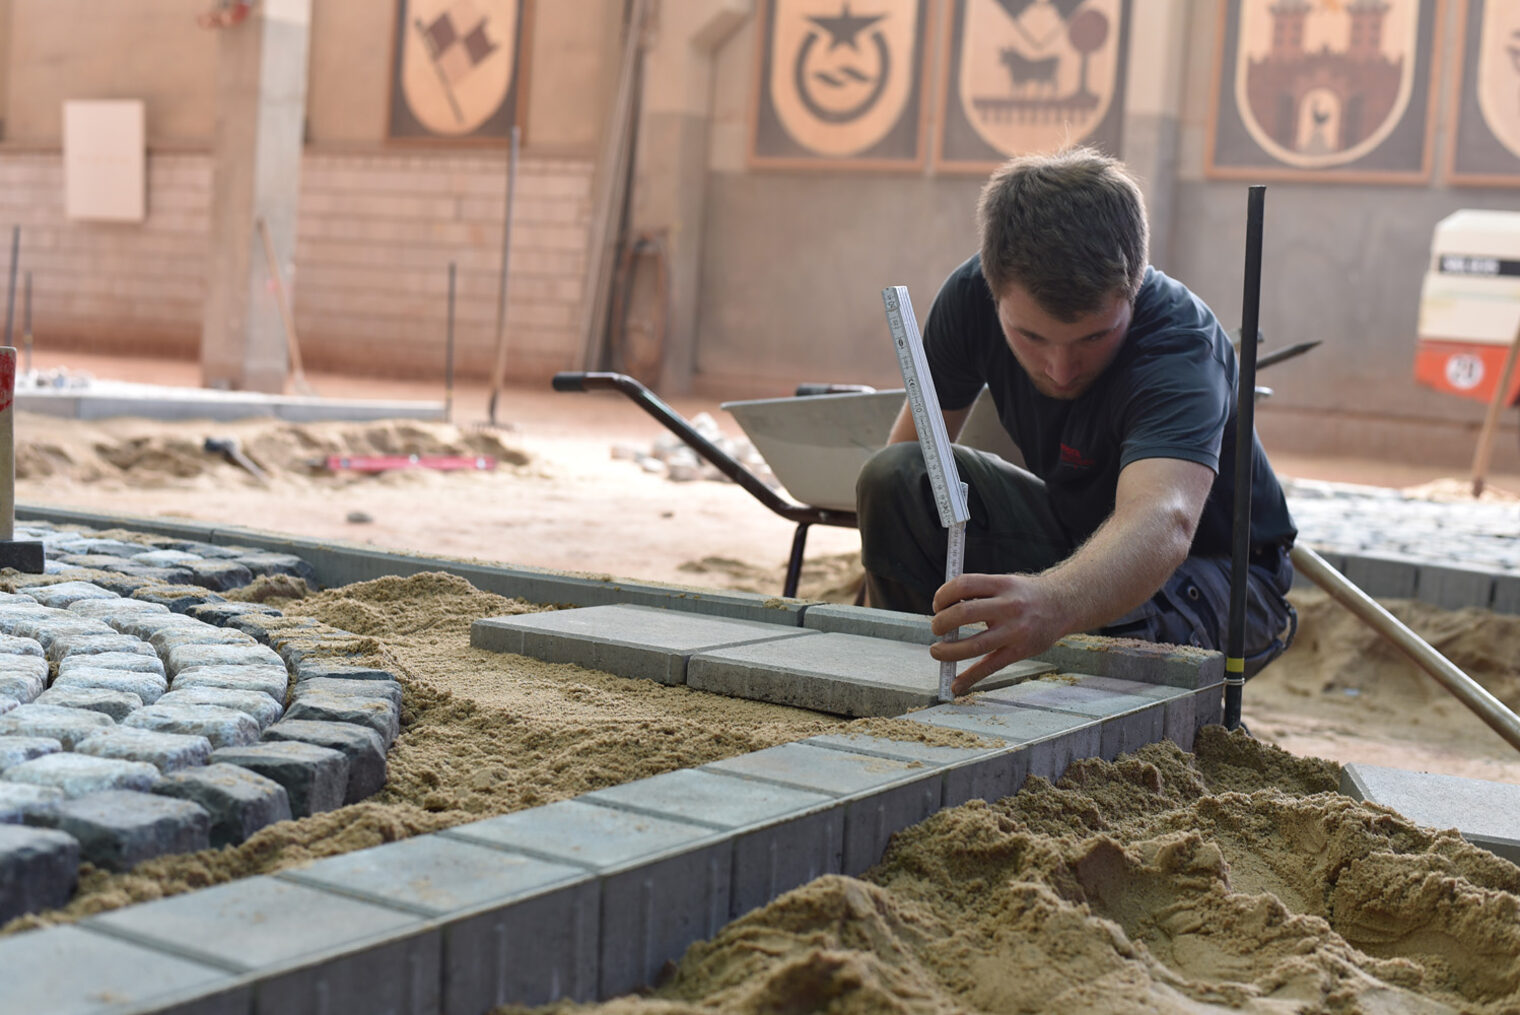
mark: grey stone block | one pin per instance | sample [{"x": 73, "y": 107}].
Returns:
[
  {"x": 59, "y": 596},
  {"x": 1453, "y": 588},
  {"x": 1133, "y": 714},
  {"x": 1383, "y": 576},
  {"x": 1145, "y": 662},
  {"x": 222, "y": 614},
  {"x": 257, "y": 705},
  {"x": 338, "y": 646},
  {"x": 316, "y": 669},
  {"x": 362, "y": 747},
  {"x": 834, "y": 618},
  {"x": 114, "y": 703},
  {"x": 66, "y": 725},
  {"x": 517, "y": 928},
  {"x": 277, "y": 563},
  {"x": 15, "y": 750},
  {"x": 1506, "y": 598},
  {"x": 146, "y": 625},
  {"x": 165, "y": 558},
  {"x": 177, "y": 598},
  {"x": 47, "y": 630},
  {"x": 967, "y": 773},
  {"x": 224, "y": 727},
  {"x": 218, "y": 575},
  {"x": 119, "y": 829},
  {"x": 310, "y": 951},
  {"x": 95, "y": 644},
  {"x": 664, "y": 883},
  {"x": 68, "y": 969},
  {"x": 79, "y": 775},
  {"x": 630, "y": 641},
  {"x": 387, "y": 690},
  {"x": 845, "y": 674},
  {"x": 134, "y": 662},
  {"x": 1487, "y": 814},
  {"x": 164, "y": 641},
  {"x": 783, "y": 837},
  {"x": 11, "y": 645},
  {"x": 378, "y": 714},
  {"x": 38, "y": 869},
  {"x": 1051, "y": 740},
  {"x": 882, "y": 796},
  {"x": 19, "y": 799},
  {"x": 265, "y": 628},
  {"x": 315, "y": 778},
  {"x": 106, "y": 609},
  {"x": 271, "y": 680},
  {"x": 24, "y": 666},
  {"x": 1208, "y": 709},
  {"x": 186, "y": 657},
  {"x": 116, "y": 547},
  {"x": 167, "y": 752},
  {"x": 121, "y": 584},
  {"x": 146, "y": 686},
  {"x": 21, "y": 688},
  {"x": 239, "y": 801}
]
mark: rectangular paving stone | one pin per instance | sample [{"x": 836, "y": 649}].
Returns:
[
  {"x": 1128, "y": 659},
  {"x": 664, "y": 883},
  {"x": 200, "y": 633},
  {"x": 178, "y": 598},
  {"x": 95, "y": 644},
  {"x": 224, "y": 727},
  {"x": 135, "y": 662},
  {"x": 516, "y": 928},
  {"x": 38, "y": 869},
  {"x": 881, "y": 795},
  {"x": 1506, "y": 598},
  {"x": 1453, "y": 588},
  {"x": 361, "y": 745},
  {"x": 61, "y": 594},
  {"x": 844, "y": 674},
  {"x": 967, "y": 773},
  {"x": 630, "y": 641},
  {"x": 1133, "y": 714},
  {"x": 783, "y": 837},
  {"x": 14, "y": 750},
  {"x": 66, "y": 725},
  {"x": 271, "y": 679},
  {"x": 1383, "y": 576},
  {"x": 149, "y": 687},
  {"x": 378, "y": 714},
  {"x": 239, "y": 801},
  {"x": 300, "y": 944},
  {"x": 316, "y": 669},
  {"x": 257, "y": 705},
  {"x": 837, "y": 618},
  {"x": 23, "y": 688},
  {"x": 117, "y": 704},
  {"x": 167, "y": 752},
  {"x": 105, "y": 609},
  {"x": 1487, "y": 814},
  {"x": 20, "y": 799},
  {"x": 184, "y": 657},
  {"x": 120, "y": 828},
  {"x": 70, "y": 969},
  {"x": 315, "y": 778},
  {"x": 1052, "y": 740},
  {"x": 389, "y": 690}
]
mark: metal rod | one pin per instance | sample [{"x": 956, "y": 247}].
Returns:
[
  {"x": 1245, "y": 446},
  {"x": 499, "y": 367},
  {"x": 10, "y": 295},
  {"x": 448, "y": 355},
  {"x": 26, "y": 320},
  {"x": 1467, "y": 690},
  {"x": 1483, "y": 454}
]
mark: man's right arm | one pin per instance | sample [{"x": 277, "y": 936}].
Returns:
[{"x": 904, "y": 430}]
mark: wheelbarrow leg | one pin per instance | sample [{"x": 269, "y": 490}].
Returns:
[{"x": 794, "y": 566}]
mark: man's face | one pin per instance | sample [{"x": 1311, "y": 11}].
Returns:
[{"x": 1062, "y": 358}]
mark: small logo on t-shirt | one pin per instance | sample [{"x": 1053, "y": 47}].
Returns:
[{"x": 1071, "y": 456}]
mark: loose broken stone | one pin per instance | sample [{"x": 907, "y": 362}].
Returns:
[
  {"x": 19, "y": 799},
  {"x": 257, "y": 705},
  {"x": 186, "y": 657},
  {"x": 361, "y": 745},
  {"x": 118, "y": 829},
  {"x": 133, "y": 662},
  {"x": 222, "y": 726},
  {"x": 108, "y": 701},
  {"x": 66, "y": 725},
  {"x": 167, "y": 752},
  {"x": 239, "y": 801},
  {"x": 78, "y": 774},
  {"x": 315, "y": 778},
  {"x": 380, "y": 715},
  {"x": 271, "y": 679},
  {"x": 15, "y": 750},
  {"x": 147, "y": 686},
  {"x": 38, "y": 869}
]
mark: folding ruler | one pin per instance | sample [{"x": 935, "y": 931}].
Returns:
[{"x": 934, "y": 440}]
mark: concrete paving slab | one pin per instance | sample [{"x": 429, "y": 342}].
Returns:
[
  {"x": 1051, "y": 740},
  {"x": 1383, "y": 576},
  {"x": 664, "y": 883},
  {"x": 1128, "y": 659},
  {"x": 966, "y": 773},
  {"x": 1133, "y": 713},
  {"x": 167, "y": 752},
  {"x": 15, "y": 750},
  {"x": 1453, "y": 588},
  {"x": 836, "y": 618},
  {"x": 881, "y": 795},
  {"x": 120, "y": 828},
  {"x": 844, "y": 674},
  {"x": 783, "y": 837},
  {"x": 68, "y": 969},
  {"x": 1487, "y": 814},
  {"x": 20, "y": 799},
  {"x": 66, "y": 725},
  {"x": 149, "y": 687},
  {"x": 309, "y": 950},
  {"x": 38, "y": 869},
  {"x": 630, "y": 641},
  {"x": 315, "y": 778},
  {"x": 239, "y": 801},
  {"x": 362, "y": 747},
  {"x": 224, "y": 727},
  {"x": 516, "y": 928}
]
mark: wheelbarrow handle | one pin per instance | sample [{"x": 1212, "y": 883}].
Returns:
[{"x": 581, "y": 380}]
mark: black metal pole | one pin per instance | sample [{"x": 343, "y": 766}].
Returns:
[
  {"x": 10, "y": 295},
  {"x": 26, "y": 321},
  {"x": 448, "y": 355},
  {"x": 1245, "y": 442}
]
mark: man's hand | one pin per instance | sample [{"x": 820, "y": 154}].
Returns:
[{"x": 1023, "y": 615}]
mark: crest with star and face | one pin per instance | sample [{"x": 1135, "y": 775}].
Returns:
[{"x": 839, "y": 82}]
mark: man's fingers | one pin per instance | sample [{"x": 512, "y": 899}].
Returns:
[
  {"x": 967, "y": 586},
  {"x": 983, "y": 669},
  {"x": 965, "y": 648}
]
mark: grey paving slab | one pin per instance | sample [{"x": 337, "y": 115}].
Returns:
[
  {"x": 362, "y": 747},
  {"x": 66, "y": 725},
  {"x": 1453, "y": 588},
  {"x": 167, "y": 752},
  {"x": 238, "y": 801},
  {"x": 1051, "y": 740},
  {"x": 118, "y": 829},
  {"x": 783, "y": 837},
  {"x": 20, "y": 799},
  {"x": 378, "y": 714},
  {"x": 836, "y": 618},
  {"x": 882, "y": 796},
  {"x": 1133, "y": 713},
  {"x": 38, "y": 870},
  {"x": 315, "y": 778},
  {"x": 516, "y": 928},
  {"x": 118, "y": 704},
  {"x": 68, "y": 969},
  {"x": 664, "y": 883},
  {"x": 148, "y": 687},
  {"x": 966, "y": 773},
  {"x": 1383, "y": 576},
  {"x": 224, "y": 727},
  {"x": 14, "y": 750},
  {"x": 134, "y": 662},
  {"x": 270, "y": 679},
  {"x": 309, "y": 950},
  {"x": 1127, "y": 659},
  {"x": 1487, "y": 814},
  {"x": 257, "y": 705},
  {"x": 630, "y": 641}
]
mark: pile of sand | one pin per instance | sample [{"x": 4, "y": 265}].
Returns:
[{"x": 1234, "y": 880}]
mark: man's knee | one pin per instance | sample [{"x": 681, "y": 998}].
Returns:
[{"x": 888, "y": 473}]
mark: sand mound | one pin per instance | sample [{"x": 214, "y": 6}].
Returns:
[{"x": 1230, "y": 880}]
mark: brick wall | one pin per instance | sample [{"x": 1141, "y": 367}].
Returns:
[{"x": 377, "y": 232}]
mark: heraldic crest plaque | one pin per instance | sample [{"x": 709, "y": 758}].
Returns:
[
  {"x": 455, "y": 69},
  {"x": 1485, "y": 142}
]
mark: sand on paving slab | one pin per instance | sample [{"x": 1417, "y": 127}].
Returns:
[
  {"x": 483, "y": 733},
  {"x": 1235, "y": 879}
]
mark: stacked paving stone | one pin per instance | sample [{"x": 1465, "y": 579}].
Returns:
[{"x": 141, "y": 715}]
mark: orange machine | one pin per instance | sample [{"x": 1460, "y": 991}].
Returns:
[{"x": 1470, "y": 305}]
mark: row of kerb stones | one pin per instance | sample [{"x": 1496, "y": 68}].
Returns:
[{"x": 130, "y": 730}]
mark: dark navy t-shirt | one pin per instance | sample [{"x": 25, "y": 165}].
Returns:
[{"x": 1169, "y": 393}]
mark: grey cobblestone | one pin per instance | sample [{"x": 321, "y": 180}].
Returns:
[
  {"x": 257, "y": 705},
  {"x": 239, "y": 801},
  {"x": 168, "y": 639},
  {"x": 19, "y": 799},
  {"x": 185, "y": 657},
  {"x": 315, "y": 778},
  {"x": 114, "y": 643},
  {"x": 79, "y": 774},
  {"x": 389, "y": 690},
  {"x": 224, "y": 727},
  {"x": 147, "y": 686},
  {"x": 119, "y": 829},
  {"x": 14, "y": 750},
  {"x": 362, "y": 747},
  {"x": 117, "y": 704},
  {"x": 167, "y": 752},
  {"x": 271, "y": 679},
  {"x": 22, "y": 687},
  {"x": 105, "y": 609},
  {"x": 63, "y": 593},
  {"x": 135, "y": 662},
  {"x": 66, "y": 725},
  {"x": 378, "y": 714},
  {"x": 13, "y": 646},
  {"x": 38, "y": 868}
]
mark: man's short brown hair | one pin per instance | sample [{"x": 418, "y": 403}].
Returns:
[{"x": 1070, "y": 228}]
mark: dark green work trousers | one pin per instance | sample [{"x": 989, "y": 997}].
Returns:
[{"x": 1013, "y": 530}]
